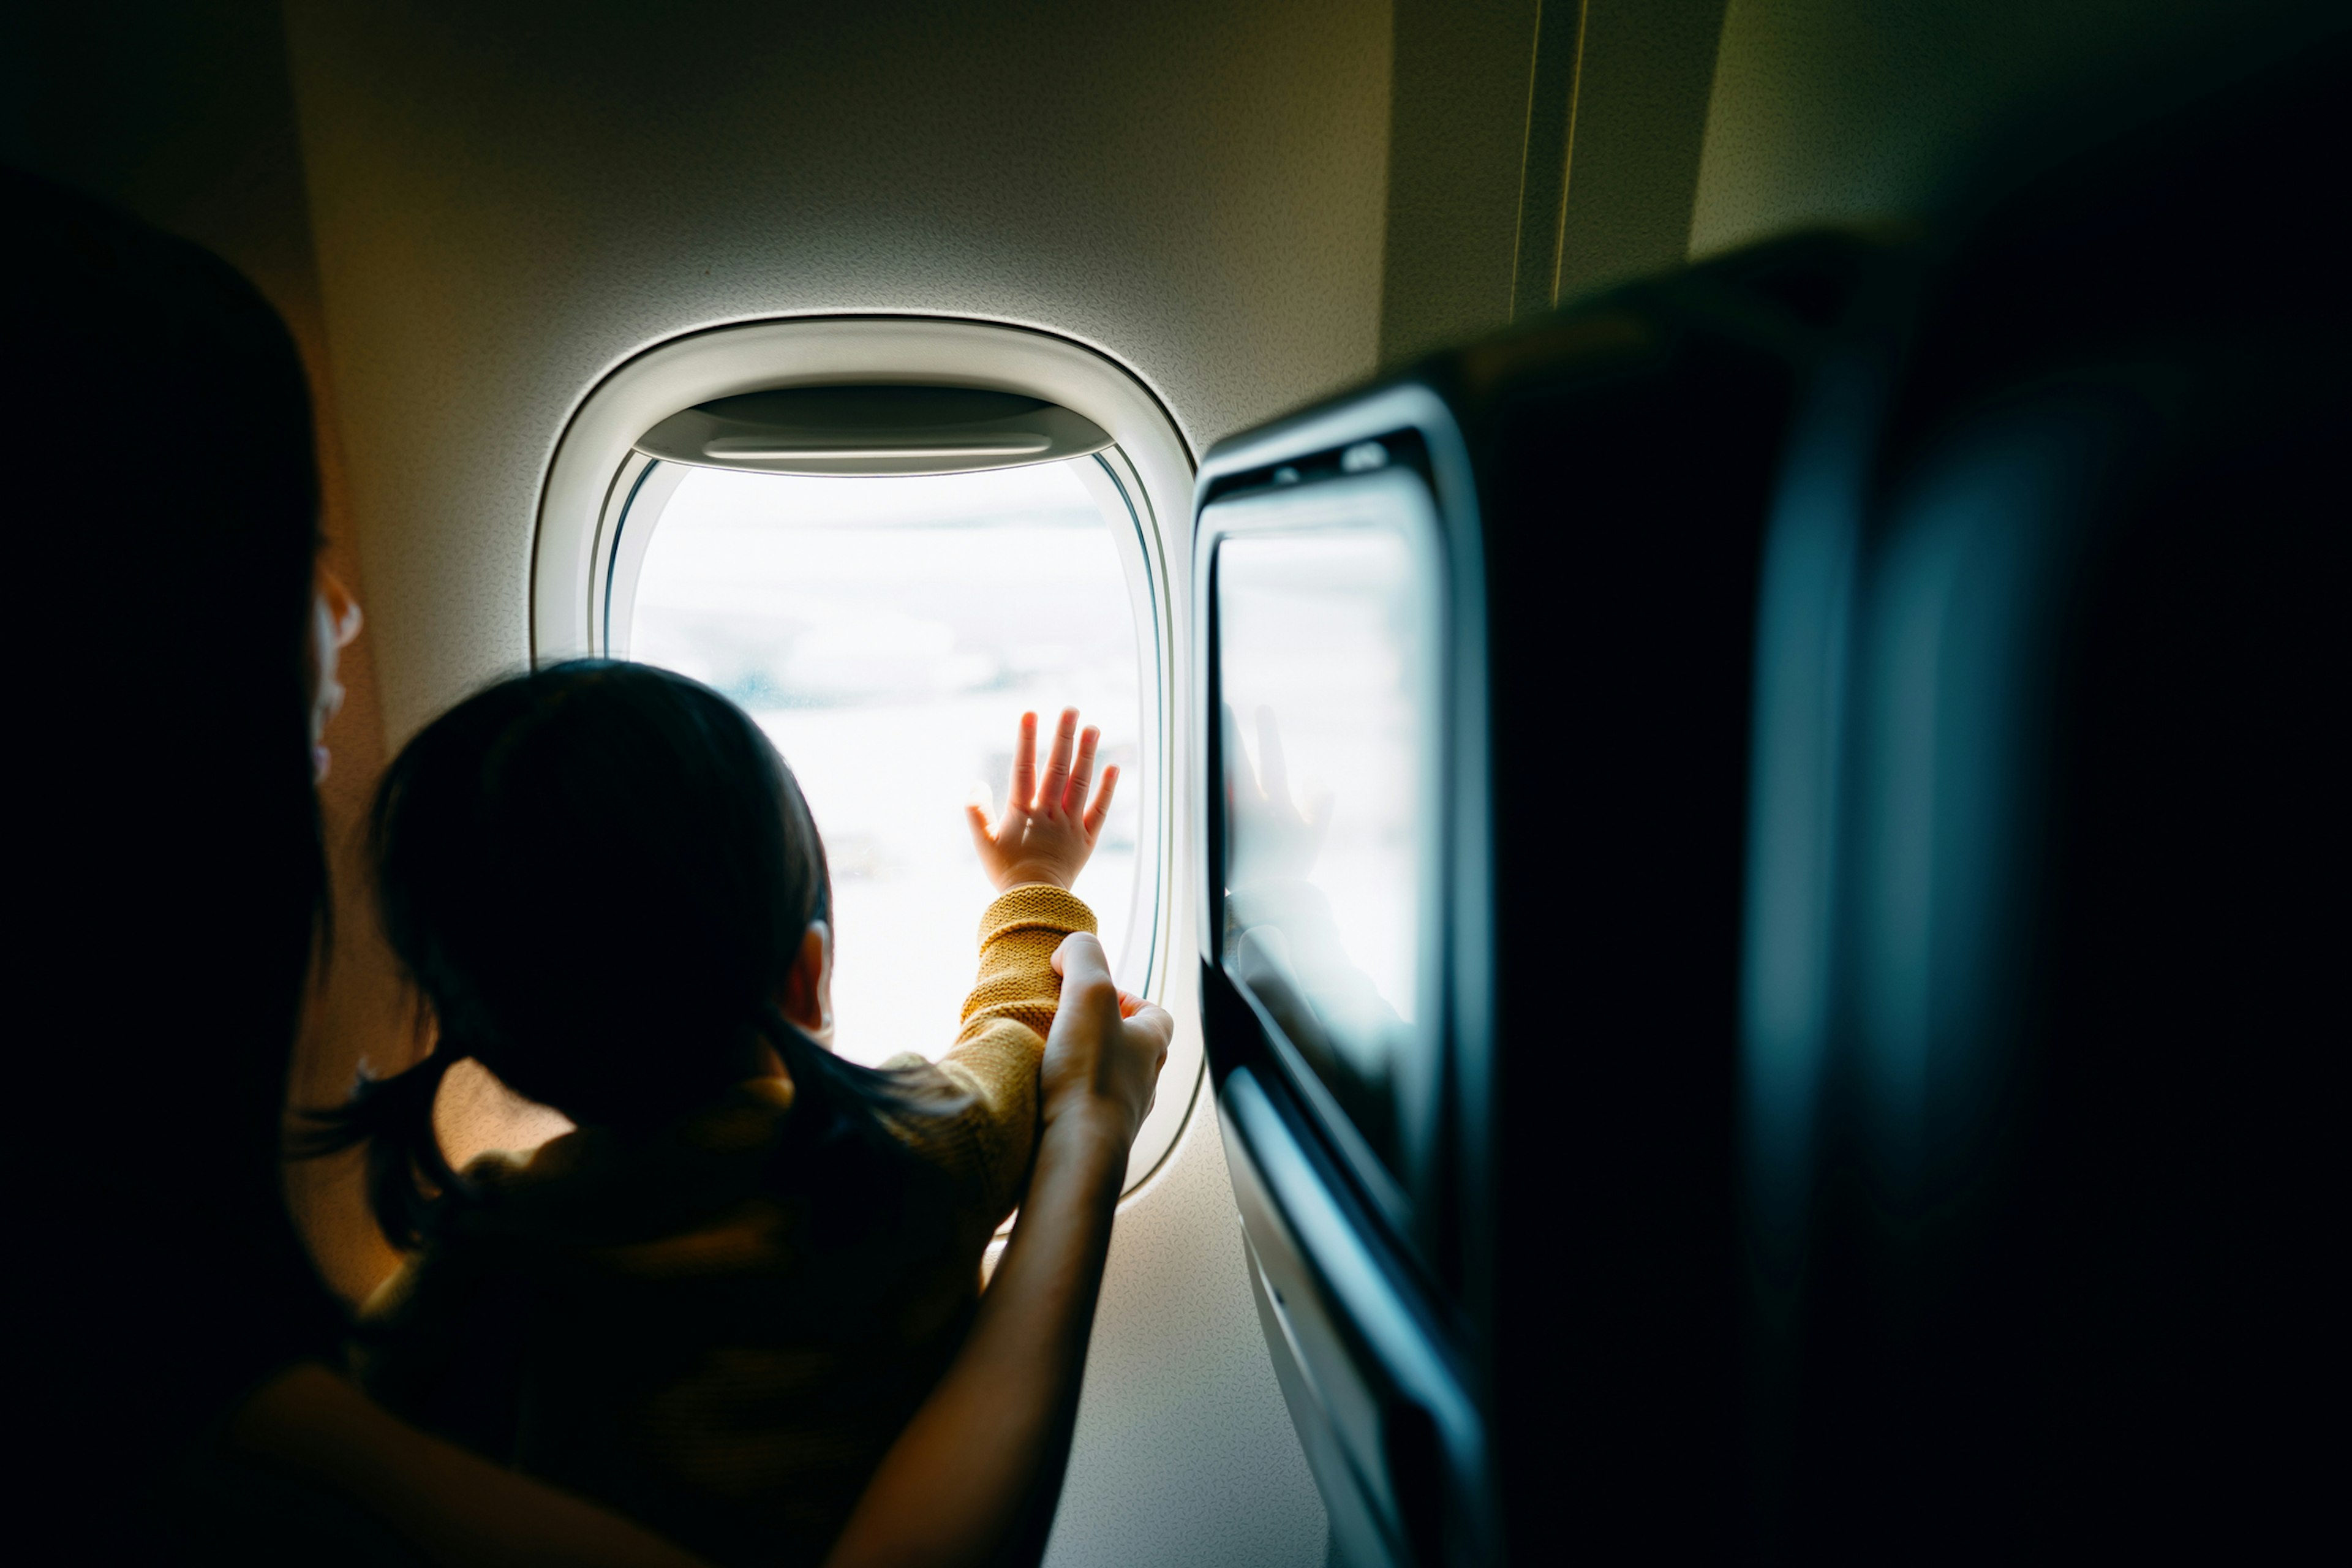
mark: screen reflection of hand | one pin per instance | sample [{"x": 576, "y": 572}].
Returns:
[{"x": 1272, "y": 838}]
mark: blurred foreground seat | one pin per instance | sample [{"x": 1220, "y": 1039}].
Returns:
[{"x": 2039, "y": 987}]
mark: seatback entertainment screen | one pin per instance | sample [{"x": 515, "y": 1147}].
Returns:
[{"x": 1326, "y": 667}]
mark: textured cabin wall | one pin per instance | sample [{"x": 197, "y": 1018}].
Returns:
[
  {"x": 1829, "y": 111},
  {"x": 1457, "y": 141},
  {"x": 1645, "y": 71},
  {"x": 181, "y": 112},
  {"x": 1538, "y": 150}
]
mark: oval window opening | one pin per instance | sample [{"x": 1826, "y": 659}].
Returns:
[{"x": 886, "y": 633}]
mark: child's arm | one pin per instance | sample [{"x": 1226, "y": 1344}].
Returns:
[{"x": 1033, "y": 855}]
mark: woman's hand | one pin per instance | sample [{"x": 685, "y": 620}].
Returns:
[
  {"x": 1048, "y": 830},
  {"x": 1104, "y": 1051}
]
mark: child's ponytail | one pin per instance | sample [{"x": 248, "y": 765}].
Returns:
[
  {"x": 839, "y": 1141},
  {"x": 594, "y": 875},
  {"x": 407, "y": 1174}
]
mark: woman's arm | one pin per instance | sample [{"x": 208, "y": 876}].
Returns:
[
  {"x": 310, "y": 1470},
  {"x": 310, "y": 1465},
  {"x": 975, "y": 1476}
]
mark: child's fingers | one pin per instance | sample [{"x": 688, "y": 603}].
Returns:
[
  {"x": 1057, "y": 766},
  {"x": 1024, "y": 787},
  {"x": 1099, "y": 812},
  {"x": 1082, "y": 772},
  {"x": 976, "y": 817}
]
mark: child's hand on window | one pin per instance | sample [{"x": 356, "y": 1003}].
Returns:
[{"x": 1048, "y": 830}]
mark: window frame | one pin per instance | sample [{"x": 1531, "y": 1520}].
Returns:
[{"x": 586, "y": 555}]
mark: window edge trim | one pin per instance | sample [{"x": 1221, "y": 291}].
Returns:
[{"x": 586, "y": 487}]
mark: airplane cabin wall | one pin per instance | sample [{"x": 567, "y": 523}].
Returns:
[
  {"x": 1537, "y": 151},
  {"x": 1841, "y": 110}
]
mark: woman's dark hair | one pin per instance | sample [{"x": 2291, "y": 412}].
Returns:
[
  {"x": 598, "y": 876},
  {"x": 169, "y": 869}
]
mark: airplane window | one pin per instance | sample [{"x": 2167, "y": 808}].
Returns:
[{"x": 888, "y": 632}]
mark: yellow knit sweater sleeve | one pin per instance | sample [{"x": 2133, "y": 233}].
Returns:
[
  {"x": 994, "y": 1060},
  {"x": 1018, "y": 934}
]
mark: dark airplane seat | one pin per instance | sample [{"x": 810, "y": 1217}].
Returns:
[
  {"x": 1624, "y": 492},
  {"x": 2040, "y": 991},
  {"x": 1520, "y": 1347}
]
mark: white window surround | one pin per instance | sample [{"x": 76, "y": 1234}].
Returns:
[{"x": 1147, "y": 474}]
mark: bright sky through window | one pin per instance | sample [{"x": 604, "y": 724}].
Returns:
[{"x": 887, "y": 634}]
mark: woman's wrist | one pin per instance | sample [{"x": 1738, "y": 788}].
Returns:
[{"x": 1089, "y": 1129}]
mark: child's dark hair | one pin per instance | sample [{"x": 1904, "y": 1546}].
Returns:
[{"x": 598, "y": 875}]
